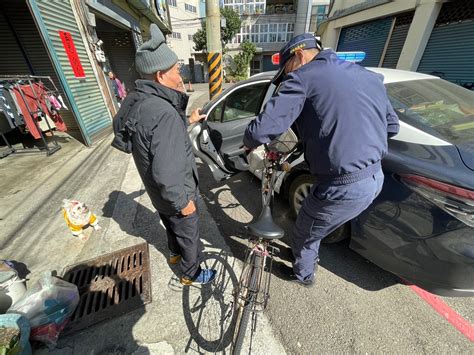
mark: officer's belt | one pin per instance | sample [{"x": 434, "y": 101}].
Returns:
[{"x": 350, "y": 178}]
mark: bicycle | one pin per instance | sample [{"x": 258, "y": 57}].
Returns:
[{"x": 253, "y": 291}]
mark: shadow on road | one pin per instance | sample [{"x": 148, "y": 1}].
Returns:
[
  {"x": 208, "y": 309},
  {"x": 145, "y": 223},
  {"x": 236, "y": 201}
]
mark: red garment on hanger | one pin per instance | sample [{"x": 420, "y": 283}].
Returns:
[{"x": 28, "y": 118}]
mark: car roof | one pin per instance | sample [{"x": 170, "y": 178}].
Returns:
[
  {"x": 390, "y": 75},
  {"x": 397, "y": 75}
]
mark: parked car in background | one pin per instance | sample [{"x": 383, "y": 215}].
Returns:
[{"x": 421, "y": 226}]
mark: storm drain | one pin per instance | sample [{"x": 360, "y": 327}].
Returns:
[{"x": 110, "y": 286}]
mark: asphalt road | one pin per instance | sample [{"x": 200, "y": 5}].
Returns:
[{"x": 355, "y": 306}]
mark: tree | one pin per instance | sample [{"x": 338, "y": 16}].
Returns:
[
  {"x": 232, "y": 26},
  {"x": 242, "y": 60}
]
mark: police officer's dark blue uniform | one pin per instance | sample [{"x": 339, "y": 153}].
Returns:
[{"x": 343, "y": 117}]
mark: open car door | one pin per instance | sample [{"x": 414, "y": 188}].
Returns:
[{"x": 218, "y": 140}]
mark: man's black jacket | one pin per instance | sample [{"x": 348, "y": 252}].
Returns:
[{"x": 152, "y": 124}]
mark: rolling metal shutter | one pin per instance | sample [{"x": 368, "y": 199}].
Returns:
[
  {"x": 84, "y": 94},
  {"x": 120, "y": 51},
  {"x": 397, "y": 40},
  {"x": 369, "y": 37},
  {"x": 12, "y": 61},
  {"x": 450, "y": 49}
]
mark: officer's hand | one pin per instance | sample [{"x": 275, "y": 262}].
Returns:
[
  {"x": 247, "y": 150},
  {"x": 189, "y": 209},
  {"x": 196, "y": 116}
]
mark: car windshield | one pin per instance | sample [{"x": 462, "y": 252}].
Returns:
[{"x": 436, "y": 106}]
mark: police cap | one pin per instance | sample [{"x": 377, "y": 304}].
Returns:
[{"x": 303, "y": 41}]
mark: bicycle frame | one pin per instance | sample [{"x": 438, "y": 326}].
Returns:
[
  {"x": 253, "y": 292},
  {"x": 262, "y": 248}
]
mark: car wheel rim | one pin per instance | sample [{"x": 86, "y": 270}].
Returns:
[{"x": 300, "y": 194}]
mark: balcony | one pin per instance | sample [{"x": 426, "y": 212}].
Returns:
[{"x": 280, "y": 7}]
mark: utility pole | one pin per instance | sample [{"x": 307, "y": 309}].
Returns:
[{"x": 214, "y": 47}]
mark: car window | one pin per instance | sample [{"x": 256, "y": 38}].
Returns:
[
  {"x": 216, "y": 113},
  {"x": 435, "y": 106},
  {"x": 244, "y": 102}
]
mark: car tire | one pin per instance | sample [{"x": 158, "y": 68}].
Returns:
[{"x": 299, "y": 189}]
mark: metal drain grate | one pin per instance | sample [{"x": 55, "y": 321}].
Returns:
[{"x": 109, "y": 286}]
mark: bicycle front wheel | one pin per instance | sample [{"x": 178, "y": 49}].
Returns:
[{"x": 248, "y": 292}]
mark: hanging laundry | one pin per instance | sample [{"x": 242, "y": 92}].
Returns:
[
  {"x": 28, "y": 107},
  {"x": 39, "y": 92},
  {"x": 54, "y": 102},
  {"x": 31, "y": 99},
  {"x": 60, "y": 99},
  {"x": 9, "y": 107}
]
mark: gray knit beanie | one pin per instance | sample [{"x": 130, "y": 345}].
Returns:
[{"x": 154, "y": 55}]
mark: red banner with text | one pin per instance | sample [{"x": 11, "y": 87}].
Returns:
[{"x": 72, "y": 55}]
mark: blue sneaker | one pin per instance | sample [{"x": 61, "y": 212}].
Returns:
[{"x": 205, "y": 276}]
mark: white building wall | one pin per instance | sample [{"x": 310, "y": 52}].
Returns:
[{"x": 185, "y": 23}]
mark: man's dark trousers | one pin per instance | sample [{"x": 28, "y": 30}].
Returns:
[
  {"x": 183, "y": 239},
  {"x": 326, "y": 208}
]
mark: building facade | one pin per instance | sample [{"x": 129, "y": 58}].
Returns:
[
  {"x": 185, "y": 21},
  {"x": 76, "y": 43},
  {"x": 430, "y": 36},
  {"x": 319, "y": 13},
  {"x": 269, "y": 24}
]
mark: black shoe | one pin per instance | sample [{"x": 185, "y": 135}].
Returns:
[{"x": 288, "y": 275}]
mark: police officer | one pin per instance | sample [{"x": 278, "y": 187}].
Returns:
[{"x": 343, "y": 117}]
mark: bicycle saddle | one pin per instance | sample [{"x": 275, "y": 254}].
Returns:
[{"x": 264, "y": 227}]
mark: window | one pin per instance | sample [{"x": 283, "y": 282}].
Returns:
[
  {"x": 172, "y": 3},
  {"x": 216, "y": 113},
  {"x": 245, "y": 102},
  {"x": 246, "y": 7},
  {"x": 190, "y": 37},
  {"x": 318, "y": 14},
  {"x": 264, "y": 33},
  {"x": 438, "y": 107},
  {"x": 190, "y": 8},
  {"x": 176, "y": 35},
  {"x": 322, "y": 9}
]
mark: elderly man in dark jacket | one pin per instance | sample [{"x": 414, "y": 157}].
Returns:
[{"x": 154, "y": 116}]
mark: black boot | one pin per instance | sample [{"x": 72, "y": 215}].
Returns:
[{"x": 288, "y": 274}]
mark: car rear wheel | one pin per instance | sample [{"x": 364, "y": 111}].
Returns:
[{"x": 299, "y": 189}]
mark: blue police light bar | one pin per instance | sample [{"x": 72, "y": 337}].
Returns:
[{"x": 355, "y": 57}]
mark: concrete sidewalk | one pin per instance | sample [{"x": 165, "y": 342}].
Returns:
[{"x": 178, "y": 320}]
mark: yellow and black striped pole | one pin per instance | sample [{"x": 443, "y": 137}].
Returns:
[
  {"x": 214, "y": 63},
  {"x": 214, "y": 47}
]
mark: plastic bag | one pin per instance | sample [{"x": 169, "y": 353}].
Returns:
[{"x": 48, "y": 305}]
